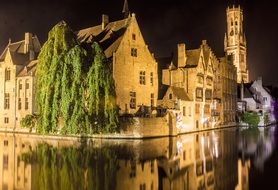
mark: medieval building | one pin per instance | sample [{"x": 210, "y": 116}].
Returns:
[
  {"x": 235, "y": 42},
  {"x": 134, "y": 66},
  {"x": 17, "y": 64}
]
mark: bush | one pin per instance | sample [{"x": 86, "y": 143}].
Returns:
[
  {"x": 251, "y": 118},
  {"x": 29, "y": 121}
]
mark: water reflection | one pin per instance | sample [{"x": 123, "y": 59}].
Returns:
[{"x": 226, "y": 159}]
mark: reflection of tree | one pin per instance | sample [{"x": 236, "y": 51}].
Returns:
[{"x": 72, "y": 168}]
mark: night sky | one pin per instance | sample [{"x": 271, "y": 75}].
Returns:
[{"x": 164, "y": 23}]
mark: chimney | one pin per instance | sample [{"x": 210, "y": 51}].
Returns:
[
  {"x": 181, "y": 55},
  {"x": 27, "y": 42},
  {"x": 260, "y": 81},
  {"x": 105, "y": 21}
]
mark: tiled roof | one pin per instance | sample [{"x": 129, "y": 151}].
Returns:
[
  {"x": 17, "y": 51},
  {"x": 29, "y": 69},
  {"x": 109, "y": 38},
  {"x": 180, "y": 93},
  {"x": 192, "y": 57}
]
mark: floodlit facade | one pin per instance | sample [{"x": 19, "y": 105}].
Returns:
[
  {"x": 201, "y": 88},
  {"x": 134, "y": 66},
  {"x": 17, "y": 67},
  {"x": 235, "y": 42}
]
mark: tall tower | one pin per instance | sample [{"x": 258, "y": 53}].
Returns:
[{"x": 235, "y": 42}]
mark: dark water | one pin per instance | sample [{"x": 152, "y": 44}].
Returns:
[{"x": 222, "y": 159}]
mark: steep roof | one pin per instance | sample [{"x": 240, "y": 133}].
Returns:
[
  {"x": 180, "y": 93},
  {"x": 29, "y": 69},
  {"x": 109, "y": 38},
  {"x": 192, "y": 57},
  {"x": 16, "y": 49}
]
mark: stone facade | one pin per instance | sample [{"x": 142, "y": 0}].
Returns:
[
  {"x": 235, "y": 42},
  {"x": 17, "y": 65},
  {"x": 134, "y": 67}
]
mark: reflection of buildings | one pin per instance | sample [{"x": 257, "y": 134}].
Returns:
[
  {"x": 243, "y": 175},
  {"x": 195, "y": 161}
]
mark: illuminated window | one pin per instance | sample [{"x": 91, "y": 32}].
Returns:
[
  {"x": 133, "y": 52},
  {"x": 133, "y": 36},
  {"x": 199, "y": 93},
  {"x": 152, "y": 99},
  {"x": 151, "y": 79},
  {"x": 19, "y": 103},
  {"x": 7, "y": 101},
  {"x": 132, "y": 100},
  {"x": 7, "y": 74},
  {"x": 142, "y": 77}
]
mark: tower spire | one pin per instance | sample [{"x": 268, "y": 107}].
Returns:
[{"x": 125, "y": 10}]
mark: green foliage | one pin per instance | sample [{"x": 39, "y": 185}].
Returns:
[
  {"x": 72, "y": 168},
  {"x": 251, "y": 118},
  {"x": 75, "y": 87},
  {"x": 29, "y": 121},
  {"x": 266, "y": 118}
]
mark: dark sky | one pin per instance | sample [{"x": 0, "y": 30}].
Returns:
[{"x": 164, "y": 23}]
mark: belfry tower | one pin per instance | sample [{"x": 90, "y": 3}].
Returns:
[{"x": 235, "y": 42}]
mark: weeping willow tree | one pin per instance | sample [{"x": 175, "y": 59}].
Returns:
[
  {"x": 75, "y": 90},
  {"x": 72, "y": 168}
]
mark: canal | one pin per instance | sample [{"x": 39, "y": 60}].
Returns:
[{"x": 221, "y": 159}]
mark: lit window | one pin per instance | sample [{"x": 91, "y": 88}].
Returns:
[
  {"x": 7, "y": 74},
  {"x": 7, "y": 101},
  {"x": 132, "y": 100},
  {"x": 142, "y": 78},
  {"x": 133, "y": 52}
]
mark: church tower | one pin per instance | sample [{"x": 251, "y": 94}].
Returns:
[{"x": 235, "y": 42}]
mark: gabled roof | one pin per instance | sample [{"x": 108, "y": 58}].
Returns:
[
  {"x": 192, "y": 57},
  {"x": 109, "y": 38},
  {"x": 16, "y": 49},
  {"x": 29, "y": 69},
  {"x": 179, "y": 93}
]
